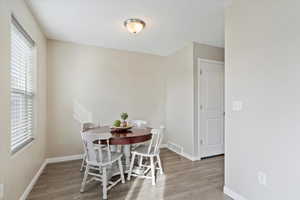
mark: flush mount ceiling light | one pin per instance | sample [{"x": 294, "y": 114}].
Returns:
[{"x": 134, "y": 25}]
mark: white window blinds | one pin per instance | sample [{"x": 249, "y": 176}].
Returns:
[{"x": 21, "y": 73}]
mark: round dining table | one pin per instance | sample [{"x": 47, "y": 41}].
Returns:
[{"x": 126, "y": 138}]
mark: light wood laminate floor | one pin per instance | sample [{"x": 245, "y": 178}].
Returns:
[{"x": 183, "y": 180}]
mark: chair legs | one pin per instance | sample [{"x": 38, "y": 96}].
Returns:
[
  {"x": 86, "y": 173},
  {"x": 131, "y": 167},
  {"x": 152, "y": 170},
  {"x": 141, "y": 161},
  {"x": 104, "y": 183},
  {"x": 152, "y": 167},
  {"x": 159, "y": 164},
  {"x": 83, "y": 162},
  {"x": 121, "y": 170},
  {"x": 104, "y": 180}
]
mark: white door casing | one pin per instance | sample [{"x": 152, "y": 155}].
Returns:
[{"x": 211, "y": 107}]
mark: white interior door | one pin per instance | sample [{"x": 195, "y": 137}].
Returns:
[{"x": 211, "y": 108}]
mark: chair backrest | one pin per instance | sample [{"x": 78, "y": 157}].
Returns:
[
  {"x": 95, "y": 152},
  {"x": 89, "y": 136},
  {"x": 86, "y": 126},
  {"x": 139, "y": 123},
  {"x": 156, "y": 140}
]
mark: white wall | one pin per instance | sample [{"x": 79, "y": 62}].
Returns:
[
  {"x": 179, "y": 99},
  {"x": 262, "y": 71},
  {"x": 182, "y": 94},
  {"x": 103, "y": 81},
  {"x": 106, "y": 82},
  {"x": 17, "y": 171}
]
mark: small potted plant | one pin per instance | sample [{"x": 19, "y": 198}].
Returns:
[{"x": 124, "y": 116}]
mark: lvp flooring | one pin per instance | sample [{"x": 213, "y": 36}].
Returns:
[{"x": 183, "y": 180}]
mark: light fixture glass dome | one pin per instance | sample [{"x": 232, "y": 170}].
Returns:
[{"x": 134, "y": 25}]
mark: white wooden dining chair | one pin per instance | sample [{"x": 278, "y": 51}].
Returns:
[
  {"x": 85, "y": 127},
  {"x": 138, "y": 123},
  {"x": 100, "y": 157},
  {"x": 150, "y": 151}
]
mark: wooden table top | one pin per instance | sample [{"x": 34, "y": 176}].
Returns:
[{"x": 132, "y": 136}]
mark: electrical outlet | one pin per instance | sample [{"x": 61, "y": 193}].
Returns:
[
  {"x": 262, "y": 178},
  {"x": 1, "y": 191}
]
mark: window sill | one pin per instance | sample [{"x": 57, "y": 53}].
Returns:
[{"x": 18, "y": 150}]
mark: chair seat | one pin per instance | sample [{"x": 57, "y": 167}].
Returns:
[
  {"x": 106, "y": 161},
  {"x": 143, "y": 150}
]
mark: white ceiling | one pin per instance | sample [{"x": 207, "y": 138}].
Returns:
[{"x": 170, "y": 24}]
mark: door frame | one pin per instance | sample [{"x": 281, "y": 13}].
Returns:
[{"x": 199, "y": 60}]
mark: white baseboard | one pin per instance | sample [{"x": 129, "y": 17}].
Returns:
[
  {"x": 64, "y": 158},
  {"x": 233, "y": 194},
  {"x": 162, "y": 146},
  {"x": 188, "y": 156},
  {"x": 183, "y": 154},
  {"x": 33, "y": 181}
]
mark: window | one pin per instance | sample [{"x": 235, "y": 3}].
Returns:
[{"x": 22, "y": 96}]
